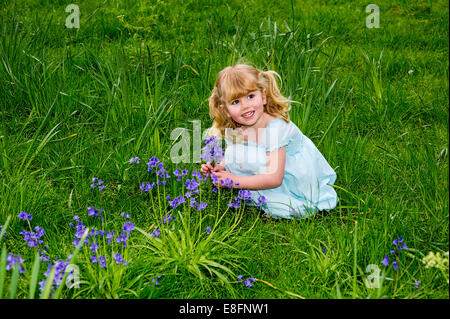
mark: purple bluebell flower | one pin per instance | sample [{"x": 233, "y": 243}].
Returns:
[
  {"x": 234, "y": 204},
  {"x": 122, "y": 238},
  {"x": 261, "y": 201},
  {"x": 128, "y": 227},
  {"x": 109, "y": 236},
  {"x": 207, "y": 230},
  {"x": 212, "y": 151},
  {"x": 119, "y": 259},
  {"x": 14, "y": 260},
  {"x": 152, "y": 163},
  {"x": 5, "y": 234},
  {"x": 394, "y": 263},
  {"x": 93, "y": 212},
  {"x": 176, "y": 201},
  {"x": 167, "y": 218},
  {"x": 94, "y": 247},
  {"x": 25, "y": 216},
  {"x": 227, "y": 182},
  {"x": 146, "y": 186},
  {"x": 385, "y": 260},
  {"x": 155, "y": 280},
  {"x": 42, "y": 255},
  {"x": 184, "y": 172},
  {"x": 191, "y": 184},
  {"x": 417, "y": 283},
  {"x": 201, "y": 206},
  {"x": 123, "y": 214},
  {"x": 102, "y": 262},
  {"x": 197, "y": 174},
  {"x": 177, "y": 174},
  {"x": 156, "y": 233},
  {"x": 94, "y": 259},
  {"x": 399, "y": 243},
  {"x": 244, "y": 194},
  {"x": 135, "y": 160},
  {"x": 97, "y": 182},
  {"x": 239, "y": 278},
  {"x": 248, "y": 283}
]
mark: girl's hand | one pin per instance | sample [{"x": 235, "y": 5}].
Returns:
[
  {"x": 223, "y": 175},
  {"x": 208, "y": 167}
]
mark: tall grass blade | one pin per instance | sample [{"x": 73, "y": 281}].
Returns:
[
  {"x": 34, "y": 276},
  {"x": 14, "y": 281},
  {"x": 2, "y": 270}
]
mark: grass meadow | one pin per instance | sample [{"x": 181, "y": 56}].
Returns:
[{"x": 78, "y": 103}]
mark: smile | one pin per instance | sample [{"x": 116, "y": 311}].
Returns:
[{"x": 248, "y": 114}]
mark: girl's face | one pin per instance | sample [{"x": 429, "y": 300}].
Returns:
[{"x": 248, "y": 110}]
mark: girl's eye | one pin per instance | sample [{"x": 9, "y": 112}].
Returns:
[
  {"x": 232, "y": 102},
  {"x": 251, "y": 95}
]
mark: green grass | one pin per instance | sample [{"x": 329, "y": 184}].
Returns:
[{"x": 79, "y": 103}]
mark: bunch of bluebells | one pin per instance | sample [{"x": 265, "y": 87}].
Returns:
[
  {"x": 119, "y": 259},
  {"x": 200, "y": 206},
  {"x": 192, "y": 187},
  {"x": 394, "y": 253},
  {"x": 227, "y": 182},
  {"x": 162, "y": 174},
  {"x": 176, "y": 201},
  {"x": 243, "y": 195},
  {"x": 97, "y": 182},
  {"x": 33, "y": 239},
  {"x": 14, "y": 260},
  {"x": 146, "y": 186},
  {"x": 247, "y": 282},
  {"x": 212, "y": 151},
  {"x": 60, "y": 269},
  {"x": 101, "y": 260},
  {"x": 25, "y": 216}
]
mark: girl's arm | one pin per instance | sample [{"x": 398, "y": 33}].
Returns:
[{"x": 276, "y": 161}]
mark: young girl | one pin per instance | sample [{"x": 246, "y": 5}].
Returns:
[{"x": 266, "y": 152}]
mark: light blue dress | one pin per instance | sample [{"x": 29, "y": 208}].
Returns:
[{"x": 307, "y": 178}]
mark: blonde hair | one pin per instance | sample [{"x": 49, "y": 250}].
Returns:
[{"x": 236, "y": 81}]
